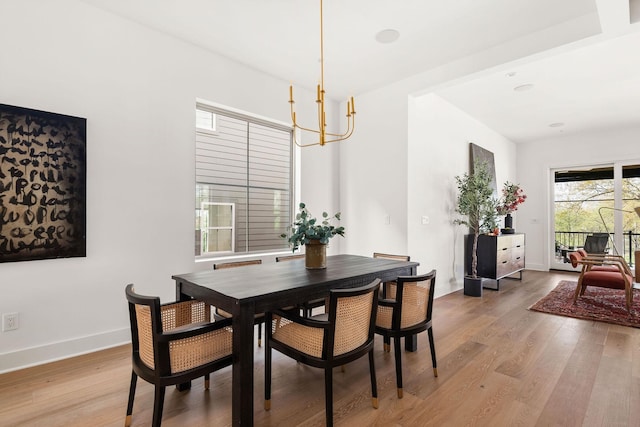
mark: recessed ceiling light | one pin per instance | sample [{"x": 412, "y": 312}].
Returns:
[
  {"x": 523, "y": 88},
  {"x": 556, "y": 125},
  {"x": 387, "y": 36},
  {"x": 511, "y": 74}
]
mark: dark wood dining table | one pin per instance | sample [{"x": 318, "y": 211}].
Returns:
[{"x": 260, "y": 288}]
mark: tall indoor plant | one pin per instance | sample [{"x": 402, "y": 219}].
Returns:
[
  {"x": 477, "y": 205},
  {"x": 307, "y": 230}
]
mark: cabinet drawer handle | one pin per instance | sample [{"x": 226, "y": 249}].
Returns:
[
  {"x": 518, "y": 258},
  {"x": 504, "y": 249},
  {"x": 518, "y": 246},
  {"x": 504, "y": 262}
]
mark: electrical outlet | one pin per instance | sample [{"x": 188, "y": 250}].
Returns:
[{"x": 10, "y": 322}]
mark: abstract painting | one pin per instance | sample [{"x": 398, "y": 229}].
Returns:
[{"x": 42, "y": 185}]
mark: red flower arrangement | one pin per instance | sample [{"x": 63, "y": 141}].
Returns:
[{"x": 512, "y": 196}]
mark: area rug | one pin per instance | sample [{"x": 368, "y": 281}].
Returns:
[{"x": 601, "y": 304}]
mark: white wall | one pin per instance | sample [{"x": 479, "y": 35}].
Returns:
[
  {"x": 373, "y": 175},
  {"x": 439, "y": 137},
  {"x": 535, "y": 161},
  {"x": 137, "y": 88}
]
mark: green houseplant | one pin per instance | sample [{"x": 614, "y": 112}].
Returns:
[
  {"x": 476, "y": 204},
  {"x": 308, "y": 230}
]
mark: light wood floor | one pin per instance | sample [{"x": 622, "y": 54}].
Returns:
[{"x": 499, "y": 364}]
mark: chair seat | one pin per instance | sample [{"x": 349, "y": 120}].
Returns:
[{"x": 610, "y": 278}]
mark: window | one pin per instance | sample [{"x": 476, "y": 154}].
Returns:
[
  {"x": 205, "y": 120},
  {"x": 217, "y": 225},
  {"x": 244, "y": 183}
]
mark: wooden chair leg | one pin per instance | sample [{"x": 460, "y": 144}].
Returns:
[
  {"x": 259, "y": 334},
  {"x": 328, "y": 395},
  {"x": 158, "y": 403},
  {"x": 374, "y": 384},
  {"x": 578, "y": 291},
  {"x": 398, "y": 357},
  {"x": 386, "y": 344},
  {"x": 432, "y": 346},
  {"x": 206, "y": 381},
  {"x": 132, "y": 393}
]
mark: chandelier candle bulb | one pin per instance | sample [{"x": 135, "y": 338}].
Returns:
[{"x": 291, "y": 94}]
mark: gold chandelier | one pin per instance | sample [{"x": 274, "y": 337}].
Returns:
[{"x": 324, "y": 137}]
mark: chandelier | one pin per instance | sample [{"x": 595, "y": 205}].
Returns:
[{"x": 324, "y": 137}]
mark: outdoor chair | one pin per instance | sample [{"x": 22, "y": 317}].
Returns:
[
  {"x": 593, "y": 273},
  {"x": 343, "y": 334},
  {"x": 173, "y": 344},
  {"x": 596, "y": 243},
  {"x": 407, "y": 311}
]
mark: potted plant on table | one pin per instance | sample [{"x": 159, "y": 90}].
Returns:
[
  {"x": 475, "y": 202},
  {"x": 307, "y": 230},
  {"x": 512, "y": 196}
]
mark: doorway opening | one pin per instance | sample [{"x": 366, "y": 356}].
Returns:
[{"x": 593, "y": 208}]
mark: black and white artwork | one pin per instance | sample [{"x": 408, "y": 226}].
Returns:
[{"x": 42, "y": 185}]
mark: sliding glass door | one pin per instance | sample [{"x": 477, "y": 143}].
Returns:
[{"x": 593, "y": 208}]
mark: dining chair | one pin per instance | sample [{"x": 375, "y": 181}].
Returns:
[
  {"x": 605, "y": 272},
  {"x": 173, "y": 343},
  {"x": 405, "y": 311},
  {"x": 384, "y": 290},
  {"x": 306, "y": 307},
  {"x": 343, "y": 334},
  {"x": 259, "y": 317}
]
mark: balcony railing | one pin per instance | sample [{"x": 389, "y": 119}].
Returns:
[{"x": 569, "y": 240}]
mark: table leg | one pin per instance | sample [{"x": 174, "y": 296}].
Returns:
[
  {"x": 242, "y": 383},
  {"x": 411, "y": 343}
]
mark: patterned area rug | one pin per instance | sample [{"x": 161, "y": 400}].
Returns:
[{"x": 604, "y": 305}]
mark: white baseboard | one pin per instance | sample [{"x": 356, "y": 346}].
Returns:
[{"x": 34, "y": 356}]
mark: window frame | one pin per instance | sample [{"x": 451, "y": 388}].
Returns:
[{"x": 294, "y": 172}]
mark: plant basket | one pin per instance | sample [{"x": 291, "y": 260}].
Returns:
[{"x": 473, "y": 286}]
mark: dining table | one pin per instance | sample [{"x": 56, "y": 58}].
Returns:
[{"x": 245, "y": 291}]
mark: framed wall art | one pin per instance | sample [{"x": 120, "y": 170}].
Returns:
[
  {"x": 480, "y": 154},
  {"x": 42, "y": 185}
]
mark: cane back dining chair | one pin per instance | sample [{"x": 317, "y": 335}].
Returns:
[
  {"x": 342, "y": 335},
  {"x": 610, "y": 271},
  {"x": 384, "y": 289},
  {"x": 306, "y": 307},
  {"x": 259, "y": 317},
  {"x": 406, "y": 310},
  {"x": 172, "y": 344}
]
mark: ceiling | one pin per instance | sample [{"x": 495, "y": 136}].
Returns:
[{"x": 581, "y": 56}]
